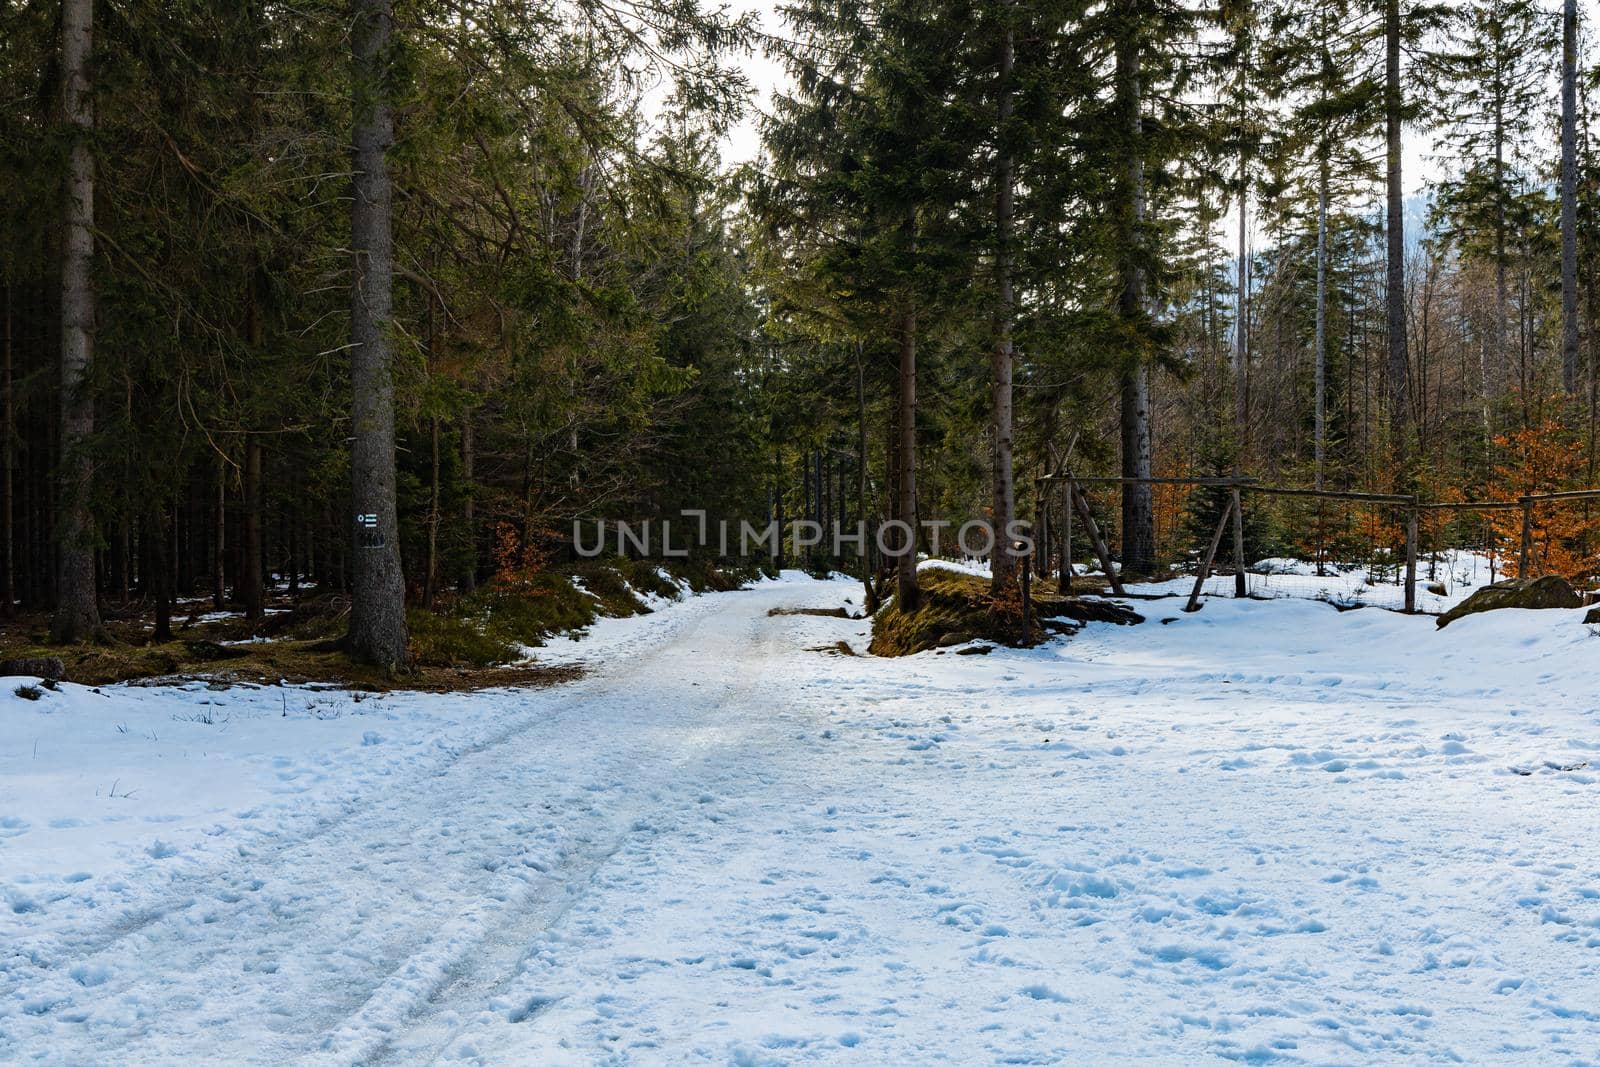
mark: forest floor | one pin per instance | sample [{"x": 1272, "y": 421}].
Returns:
[{"x": 1269, "y": 831}]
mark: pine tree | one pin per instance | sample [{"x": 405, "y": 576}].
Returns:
[
  {"x": 1317, "y": 58},
  {"x": 1488, "y": 92}
]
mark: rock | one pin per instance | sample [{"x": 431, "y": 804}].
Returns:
[
  {"x": 1592, "y": 616},
  {"x": 46, "y": 667},
  {"x": 975, "y": 650},
  {"x": 1550, "y": 591},
  {"x": 955, "y": 637}
]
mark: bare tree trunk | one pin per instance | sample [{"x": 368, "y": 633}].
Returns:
[
  {"x": 869, "y": 587},
  {"x": 430, "y": 579},
  {"x": 252, "y": 569},
  {"x": 1399, "y": 371},
  {"x": 1003, "y": 560},
  {"x": 156, "y": 534},
  {"x": 469, "y": 507},
  {"x": 1569, "y": 196},
  {"x": 908, "y": 596},
  {"x": 1321, "y": 343},
  {"x": 219, "y": 541},
  {"x": 1501, "y": 299},
  {"x": 1241, "y": 328},
  {"x": 8, "y": 570},
  {"x": 377, "y": 604},
  {"x": 1138, "y": 512},
  {"x": 77, "y": 614}
]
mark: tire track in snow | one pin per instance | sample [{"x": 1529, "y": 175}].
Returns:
[
  {"x": 277, "y": 906},
  {"x": 435, "y": 1023}
]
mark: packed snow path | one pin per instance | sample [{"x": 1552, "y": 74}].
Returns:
[{"x": 1267, "y": 832}]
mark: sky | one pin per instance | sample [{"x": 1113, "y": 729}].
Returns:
[{"x": 1420, "y": 167}]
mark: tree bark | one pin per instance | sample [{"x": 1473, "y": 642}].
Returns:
[
  {"x": 1399, "y": 370},
  {"x": 1138, "y": 512},
  {"x": 908, "y": 595},
  {"x": 77, "y": 614},
  {"x": 1321, "y": 342},
  {"x": 1241, "y": 329},
  {"x": 156, "y": 533},
  {"x": 377, "y": 603},
  {"x": 219, "y": 541},
  {"x": 469, "y": 506},
  {"x": 430, "y": 579},
  {"x": 869, "y": 588},
  {"x": 1501, "y": 299},
  {"x": 252, "y": 569},
  {"x": 1003, "y": 560},
  {"x": 8, "y": 569},
  {"x": 1569, "y": 196}
]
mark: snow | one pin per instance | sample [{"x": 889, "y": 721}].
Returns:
[
  {"x": 1265, "y": 832},
  {"x": 1458, "y": 573}
]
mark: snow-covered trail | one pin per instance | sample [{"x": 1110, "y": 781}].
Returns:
[
  {"x": 1267, "y": 832},
  {"x": 332, "y": 938}
]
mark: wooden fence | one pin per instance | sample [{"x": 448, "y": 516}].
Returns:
[{"x": 1076, "y": 505}]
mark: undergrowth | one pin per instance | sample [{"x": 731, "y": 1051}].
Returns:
[{"x": 459, "y": 644}]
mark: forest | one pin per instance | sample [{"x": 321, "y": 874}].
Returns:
[{"x": 473, "y": 271}]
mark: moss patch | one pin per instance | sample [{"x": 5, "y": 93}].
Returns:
[
  {"x": 453, "y": 641},
  {"x": 953, "y": 605},
  {"x": 472, "y": 643},
  {"x": 445, "y": 668}
]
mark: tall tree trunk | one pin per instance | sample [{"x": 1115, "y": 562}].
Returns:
[
  {"x": 1569, "y": 196},
  {"x": 469, "y": 506},
  {"x": 1003, "y": 561},
  {"x": 219, "y": 540},
  {"x": 1497, "y": 364},
  {"x": 1138, "y": 511},
  {"x": 1320, "y": 373},
  {"x": 1399, "y": 371},
  {"x": 252, "y": 568},
  {"x": 808, "y": 508},
  {"x": 869, "y": 588},
  {"x": 77, "y": 614},
  {"x": 377, "y": 603},
  {"x": 1241, "y": 330},
  {"x": 8, "y": 411},
  {"x": 160, "y": 573},
  {"x": 908, "y": 596},
  {"x": 430, "y": 578}
]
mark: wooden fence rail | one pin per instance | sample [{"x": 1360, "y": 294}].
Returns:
[{"x": 1411, "y": 506}]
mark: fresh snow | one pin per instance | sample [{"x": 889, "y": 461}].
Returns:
[{"x": 1266, "y": 832}]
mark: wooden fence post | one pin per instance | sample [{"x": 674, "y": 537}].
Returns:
[
  {"x": 1211, "y": 554},
  {"x": 1239, "y": 589},
  {"x": 1097, "y": 540},
  {"x": 1411, "y": 561},
  {"x": 1041, "y": 543}
]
